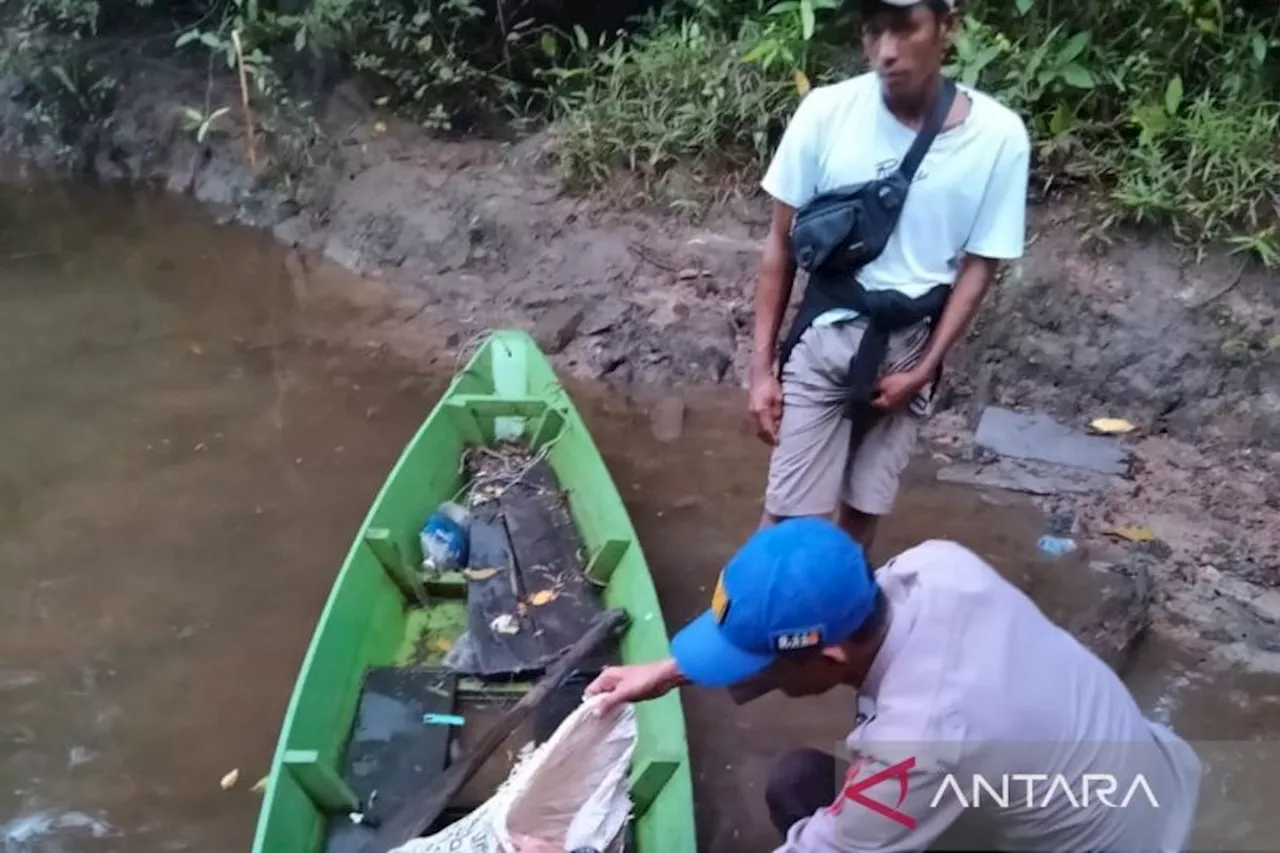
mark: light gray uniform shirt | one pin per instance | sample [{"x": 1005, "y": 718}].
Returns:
[{"x": 984, "y": 709}]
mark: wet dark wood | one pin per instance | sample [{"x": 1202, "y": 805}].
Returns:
[
  {"x": 494, "y": 597},
  {"x": 392, "y": 751},
  {"x": 424, "y": 805},
  {"x": 549, "y": 559}
]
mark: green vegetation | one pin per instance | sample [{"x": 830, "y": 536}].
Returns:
[{"x": 1165, "y": 111}]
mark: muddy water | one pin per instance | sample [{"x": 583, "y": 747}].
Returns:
[{"x": 181, "y": 472}]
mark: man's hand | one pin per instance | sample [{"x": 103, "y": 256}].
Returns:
[
  {"x": 634, "y": 683},
  {"x": 765, "y": 403},
  {"x": 895, "y": 390}
]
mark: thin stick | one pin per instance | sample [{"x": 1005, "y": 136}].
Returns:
[
  {"x": 244, "y": 99},
  {"x": 423, "y": 807}
]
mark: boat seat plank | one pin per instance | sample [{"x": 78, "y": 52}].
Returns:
[
  {"x": 321, "y": 782},
  {"x": 548, "y": 557},
  {"x": 391, "y": 558},
  {"x": 391, "y": 750},
  {"x": 497, "y": 596}
]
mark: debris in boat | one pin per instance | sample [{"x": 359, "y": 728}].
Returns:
[
  {"x": 505, "y": 624},
  {"x": 543, "y": 596},
  {"x": 228, "y": 781},
  {"x": 260, "y": 785},
  {"x": 495, "y": 469},
  {"x": 443, "y": 720},
  {"x": 479, "y": 574},
  {"x": 444, "y": 538}
]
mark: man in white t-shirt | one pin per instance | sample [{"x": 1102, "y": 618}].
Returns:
[{"x": 965, "y": 212}]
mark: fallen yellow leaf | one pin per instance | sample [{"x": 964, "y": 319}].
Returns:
[
  {"x": 543, "y": 596},
  {"x": 802, "y": 82},
  {"x": 479, "y": 574},
  {"x": 1133, "y": 534},
  {"x": 1112, "y": 426},
  {"x": 260, "y": 785},
  {"x": 441, "y": 644},
  {"x": 229, "y": 780}
]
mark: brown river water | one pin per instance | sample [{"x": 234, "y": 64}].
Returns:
[{"x": 182, "y": 467}]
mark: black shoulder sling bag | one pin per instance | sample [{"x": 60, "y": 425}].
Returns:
[
  {"x": 844, "y": 229},
  {"x": 840, "y": 231}
]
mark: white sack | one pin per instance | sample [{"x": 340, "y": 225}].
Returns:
[{"x": 572, "y": 790}]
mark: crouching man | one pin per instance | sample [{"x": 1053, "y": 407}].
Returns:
[{"x": 982, "y": 723}]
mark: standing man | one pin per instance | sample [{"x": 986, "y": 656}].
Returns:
[
  {"x": 965, "y": 213},
  {"x": 964, "y": 686}
]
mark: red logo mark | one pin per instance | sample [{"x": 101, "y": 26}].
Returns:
[{"x": 853, "y": 789}]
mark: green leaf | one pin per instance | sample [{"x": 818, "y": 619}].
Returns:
[
  {"x": 548, "y": 44},
  {"x": 1023, "y": 6},
  {"x": 1074, "y": 47},
  {"x": 1173, "y": 95},
  {"x": 1061, "y": 121},
  {"x": 1209, "y": 25},
  {"x": 186, "y": 38},
  {"x": 1077, "y": 76},
  {"x": 757, "y": 53},
  {"x": 1259, "y": 48},
  {"x": 807, "y": 22},
  {"x": 583, "y": 41},
  {"x": 1152, "y": 120},
  {"x": 211, "y": 41}
]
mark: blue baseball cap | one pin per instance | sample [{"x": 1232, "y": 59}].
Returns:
[{"x": 801, "y": 583}]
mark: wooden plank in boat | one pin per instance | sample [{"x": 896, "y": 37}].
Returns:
[
  {"x": 493, "y": 601},
  {"x": 548, "y": 556}
]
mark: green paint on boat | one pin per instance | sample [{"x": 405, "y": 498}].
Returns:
[{"x": 507, "y": 388}]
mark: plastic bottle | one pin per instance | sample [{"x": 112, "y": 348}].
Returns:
[{"x": 444, "y": 538}]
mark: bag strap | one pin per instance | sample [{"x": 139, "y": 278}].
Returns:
[{"x": 932, "y": 124}]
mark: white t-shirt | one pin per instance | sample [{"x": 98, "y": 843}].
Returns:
[
  {"x": 975, "y": 690},
  {"x": 969, "y": 195}
]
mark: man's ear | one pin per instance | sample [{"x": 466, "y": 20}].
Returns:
[{"x": 836, "y": 654}]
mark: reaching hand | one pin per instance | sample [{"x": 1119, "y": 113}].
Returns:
[
  {"x": 765, "y": 403},
  {"x": 634, "y": 683}
]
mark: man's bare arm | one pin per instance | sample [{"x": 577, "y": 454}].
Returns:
[
  {"x": 976, "y": 275},
  {"x": 773, "y": 289}
]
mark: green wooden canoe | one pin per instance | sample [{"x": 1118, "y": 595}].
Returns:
[{"x": 507, "y": 389}]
